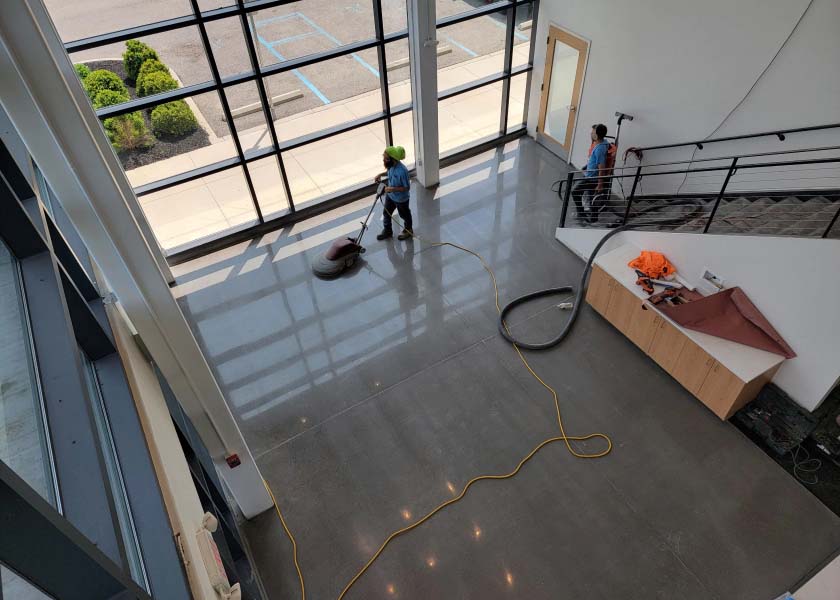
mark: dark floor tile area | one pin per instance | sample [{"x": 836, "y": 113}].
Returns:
[{"x": 371, "y": 399}]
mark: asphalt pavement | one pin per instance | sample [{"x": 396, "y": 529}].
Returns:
[{"x": 282, "y": 33}]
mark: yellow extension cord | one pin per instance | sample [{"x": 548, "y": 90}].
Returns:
[{"x": 562, "y": 437}]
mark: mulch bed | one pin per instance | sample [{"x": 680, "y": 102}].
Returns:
[{"x": 164, "y": 147}]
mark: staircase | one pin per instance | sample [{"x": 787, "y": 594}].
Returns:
[
  {"x": 800, "y": 215},
  {"x": 790, "y": 192}
]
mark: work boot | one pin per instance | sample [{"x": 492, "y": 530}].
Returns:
[
  {"x": 404, "y": 235},
  {"x": 385, "y": 234}
]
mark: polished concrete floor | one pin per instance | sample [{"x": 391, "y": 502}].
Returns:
[{"x": 370, "y": 399}]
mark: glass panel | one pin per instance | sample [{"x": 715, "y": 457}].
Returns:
[
  {"x": 446, "y": 8},
  {"x": 180, "y": 50},
  {"x": 339, "y": 162},
  {"x": 302, "y": 28},
  {"x": 248, "y": 116},
  {"x": 402, "y": 129},
  {"x": 81, "y": 19},
  {"x": 471, "y": 50},
  {"x": 16, "y": 588},
  {"x": 227, "y": 43},
  {"x": 469, "y": 118},
  {"x": 23, "y": 441},
  {"x": 516, "y": 102},
  {"x": 115, "y": 477},
  {"x": 268, "y": 183},
  {"x": 522, "y": 34},
  {"x": 200, "y": 210},
  {"x": 399, "y": 73},
  {"x": 394, "y": 16},
  {"x": 207, "y": 143},
  {"x": 205, "y": 5},
  {"x": 561, "y": 86},
  {"x": 325, "y": 95}
]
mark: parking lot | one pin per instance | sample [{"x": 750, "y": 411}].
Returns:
[{"x": 283, "y": 33}]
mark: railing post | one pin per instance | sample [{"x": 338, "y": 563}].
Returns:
[
  {"x": 632, "y": 194},
  {"x": 720, "y": 193},
  {"x": 831, "y": 224},
  {"x": 568, "y": 193}
]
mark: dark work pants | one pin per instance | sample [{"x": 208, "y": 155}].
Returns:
[
  {"x": 585, "y": 185},
  {"x": 401, "y": 207}
]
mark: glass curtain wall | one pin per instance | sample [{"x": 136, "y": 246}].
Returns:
[
  {"x": 228, "y": 114},
  {"x": 24, "y": 445}
]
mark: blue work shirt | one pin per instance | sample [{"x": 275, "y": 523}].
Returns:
[
  {"x": 398, "y": 177},
  {"x": 596, "y": 159}
]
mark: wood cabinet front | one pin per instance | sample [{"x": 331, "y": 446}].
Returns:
[
  {"x": 707, "y": 379},
  {"x": 720, "y": 390},
  {"x": 692, "y": 366},
  {"x": 666, "y": 345},
  {"x": 600, "y": 289}
]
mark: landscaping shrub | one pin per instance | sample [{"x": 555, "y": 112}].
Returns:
[
  {"x": 136, "y": 53},
  {"x": 100, "y": 80},
  {"x": 150, "y": 66},
  {"x": 128, "y": 132},
  {"x": 155, "y": 83},
  {"x": 82, "y": 71},
  {"x": 109, "y": 98},
  {"x": 173, "y": 119}
]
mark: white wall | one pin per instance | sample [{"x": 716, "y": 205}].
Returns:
[
  {"x": 679, "y": 66},
  {"x": 793, "y": 281}
]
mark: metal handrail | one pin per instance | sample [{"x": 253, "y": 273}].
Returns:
[
  {"x": 730, "y": 170},
  {"x": 785, "y": 163},
  {"x": 779, "y": 133},
  {"x": 713, "y": 158}
]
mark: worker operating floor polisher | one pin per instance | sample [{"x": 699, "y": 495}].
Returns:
[{"x": 344, "y": 252}]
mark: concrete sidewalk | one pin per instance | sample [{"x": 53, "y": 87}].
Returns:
[{"x": 205, "y": 208}]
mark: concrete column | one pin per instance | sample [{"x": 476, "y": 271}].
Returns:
[
  {"x": 422, "y": 47},
  {"x": 45, "y": 101}
]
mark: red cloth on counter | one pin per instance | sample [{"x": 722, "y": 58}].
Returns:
[{"x": 730, "y": 315}]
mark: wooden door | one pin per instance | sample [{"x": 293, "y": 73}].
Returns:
[{"x": 565, "y": 63}]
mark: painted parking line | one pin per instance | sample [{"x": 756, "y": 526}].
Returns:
[
  {"x": 317, "y": 29},
  {"x": 459, "y": 45},
  {"x": 297, "y": 72},
  {"x": 294, "y": 38},
  {"x": 337, "y": 42}
]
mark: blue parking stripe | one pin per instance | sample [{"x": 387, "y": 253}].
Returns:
[
  {"x": 292, "y": 38},
  {"x": 337, "y": 42},
  {"x": 297, "y": 73},
  {"x": 461, "y": 46}
]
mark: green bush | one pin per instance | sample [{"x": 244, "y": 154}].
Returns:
[
  {"x": 155, "y": 83},
  {"x": 100, "y": 80},
  {"x": 173, "y": 119},
  {"x": 128, "y": 132},
  {"x": 109, "y": 98},
  {"x": 82, "y": 71},
  {"x": 150, "y": 66},
  {"x": 136, "y": 53}
]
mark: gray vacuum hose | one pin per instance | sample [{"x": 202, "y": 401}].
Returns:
[{"x": 584, "y": 278}]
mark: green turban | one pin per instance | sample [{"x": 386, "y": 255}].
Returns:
[{"x": 395, "y": 152}]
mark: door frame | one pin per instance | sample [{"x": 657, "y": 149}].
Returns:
[{"x": 557, "y": 33}]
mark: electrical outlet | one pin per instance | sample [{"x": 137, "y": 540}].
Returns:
[{"x": 712, "y": 278}]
